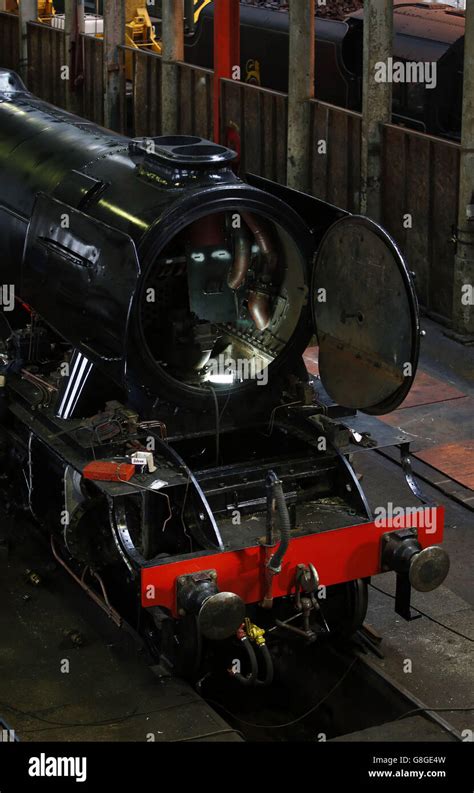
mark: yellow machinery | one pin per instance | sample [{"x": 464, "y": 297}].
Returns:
[
  {"x": 139, "y": 33},
  {"x": 45, "y": 9}
]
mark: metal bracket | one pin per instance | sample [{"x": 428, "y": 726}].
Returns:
[
  {"x": 403, "y": 598},
  {"x": 187, "y": 586},
  {"x": 307, "y": 582},
  {"x": 405, "y": 460},
  {"x": 403, "y": 585}
]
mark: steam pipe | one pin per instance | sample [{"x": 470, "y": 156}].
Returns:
[
  {"x": 263, "y": 240},
  {"x": 241, "y": 263},
  {"x": 259, "y": 302},
  {"x": 259, "y": 309}
]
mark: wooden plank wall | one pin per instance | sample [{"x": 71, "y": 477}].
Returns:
[
  {"x": 335, "y": 155},
  {"x": 421, "y": 179},
  {"x": 194, "y": 96},
  {"x": 9, "y": 35},
  {"x": 260, "y": 117},
  {"x": 195, "y": 88},
  {"x": 91, "y": 58},
  {"x": 46, "y": 59},
  {"x": 146, "y": 93}
]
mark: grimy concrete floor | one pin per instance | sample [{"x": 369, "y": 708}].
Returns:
[
  {"x": 104, "y": 690},
  {"x": 442, "y": 668},
  {"x": 109, "y": 691}
]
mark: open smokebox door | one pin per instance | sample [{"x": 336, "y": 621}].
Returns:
[{"x": 366, "y": 317}]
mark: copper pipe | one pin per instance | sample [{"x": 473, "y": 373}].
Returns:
[
  {"x": 259, "y": 309},
  {"x": 259, "y": 302},
  {"x": 36, "y": 380},
  {"x": 264, "y": 241},
  {"x": 103, "y": 603},
  {"x": 241, "y": 263}
]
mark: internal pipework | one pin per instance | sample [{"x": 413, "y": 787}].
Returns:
[{"x": 223, "y": 300}]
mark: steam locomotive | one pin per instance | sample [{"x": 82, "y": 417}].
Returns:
[{"x": 157, "y": 421}]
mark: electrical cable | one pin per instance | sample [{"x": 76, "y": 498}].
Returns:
[
  {"x": 218, "y": 423},
  {"x": 428, "y": 616},
  {"x": 100, "y": 723},
  {"x": 294, "y": 721},
  {"x": 433, "y": 710},
  {"x": 185, "y": 528},
  {"x": 156, "y": 492},
  {"x": 209, "y": 735},
  {"x": 226, "y": 403},
  {"x": 271, "y": 424}
]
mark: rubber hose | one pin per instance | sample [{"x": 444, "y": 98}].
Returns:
[
  {"x": 285, "y": 528},
  {"x": 251, "y": 678},
  {"x": 268, "y": 679}
]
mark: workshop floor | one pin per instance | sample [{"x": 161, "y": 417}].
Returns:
[
  {"x": 438, "y": 415},
  {"x": 440, "y": 412},
  {"x": 101, "y": 690}
]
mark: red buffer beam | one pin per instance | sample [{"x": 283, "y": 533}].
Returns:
[{"x": 339, "y": 555}]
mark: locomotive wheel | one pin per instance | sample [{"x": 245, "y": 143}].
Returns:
[
  {"x": 346, "y": 607},
  {"x": 87, "y": 535}
]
